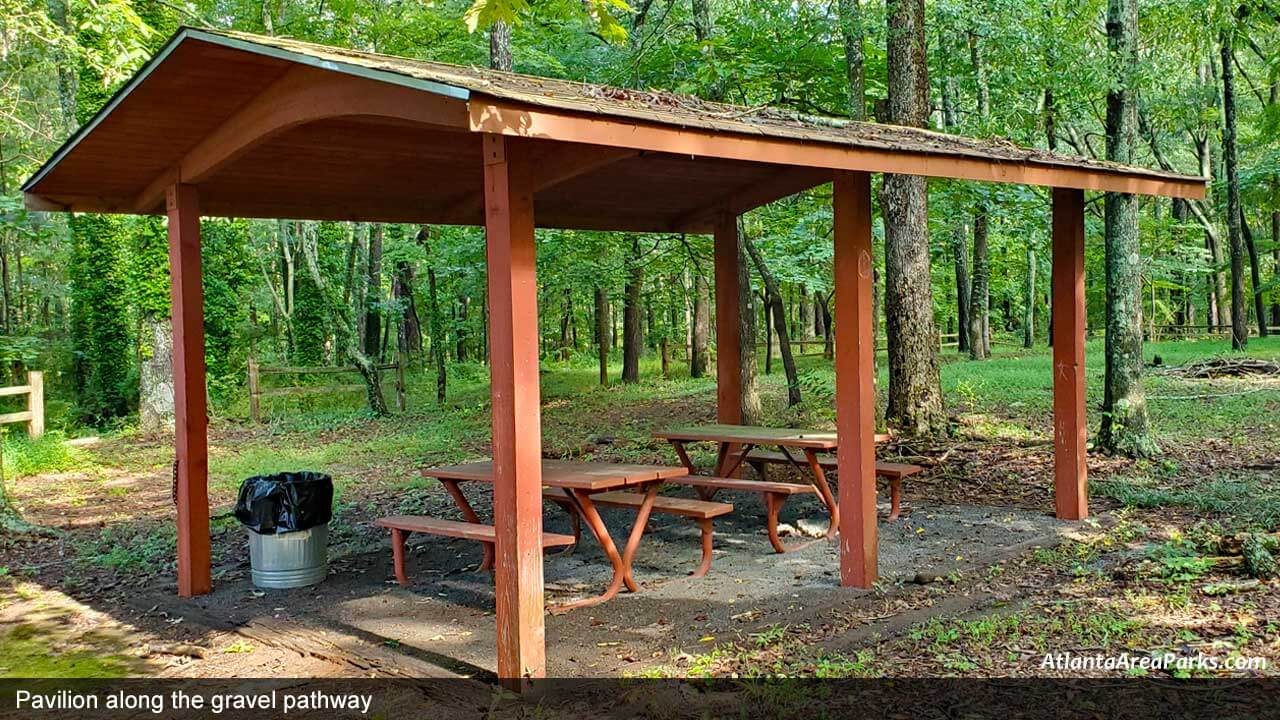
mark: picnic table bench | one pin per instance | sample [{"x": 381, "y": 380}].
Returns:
[
  {"x": 579, "y": 487},
  {"x": 739, "y": 443}
]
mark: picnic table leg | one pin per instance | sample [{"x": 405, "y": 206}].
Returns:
[
  {"x": 683, "y": 455},
  {"x": 895, "y": 498},
  {"x": 773, "y": 505},
  {"x": 707, "y": 532},
  {"x": 469, "y": 514},
  {"x": 820, "y": 477},
  {"x": 398, "y": 538},
  {"x": 597, "y": 527}
]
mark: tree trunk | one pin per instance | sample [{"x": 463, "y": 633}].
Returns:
[
  {"x": 373, "y": 298},
  {"x": 1239, "y": 312},
  {"x": 434, "y": 321},
  {"x": 915, "y": 389},
  {"x": 750, "y": 395},
  {"x": 603, "y": 336},
  {"x": 960, "y": 236},
  {"x": 1125, "y": 425},
  {"x": 402, "y": 291},
  {"x": 828, "y": 333},
  {"x": 1255, "y": 276},
  {"x": 768, "y": 334},
  {"x": 500, "y": 46},
  {"x": 1218, "y": 314},
  {"x": 774, "y": 300},
  {"x": 852, "y": 34},
  {"x": 1029, "y": 312},
  {"x": 632, "y": 340},
  {"x": 155, "y": 376},
  {"x": 980, "y": 297},
  {"x": 698, "y": 358}
]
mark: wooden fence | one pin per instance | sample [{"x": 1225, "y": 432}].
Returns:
[
  {"x": 257, "y": 392},
  {"x": 33, "y": 416}
]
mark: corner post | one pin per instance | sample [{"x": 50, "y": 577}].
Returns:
[
  {"x": 191, "y": 426},
  {"x": 1069, "y": 425},
  {"x": 35, "y": 403},
  {"x": 517, "y": 430},
  {"x": 855, "y": 383},
  {"x": 728, "y": 368}
]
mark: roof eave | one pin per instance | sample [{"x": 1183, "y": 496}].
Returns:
[{"x": 197, "y": 34}]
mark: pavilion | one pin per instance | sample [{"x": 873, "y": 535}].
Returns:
[{"x": 231, "y": 124}]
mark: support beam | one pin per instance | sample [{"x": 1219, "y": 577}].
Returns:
[
  {"x": 738, "y": 139},
  {"x": 855, "y": 378},
  {"x": 784, "y": 182},
  {"x": 1070, "y": 465},
  {"x": 552, "y": 164},
  {"x": 728, "y": 368},
  {"x": 517, "y": 428},
  {"x": 191, "y": 442},
  {"x": 302, "y": 95}
]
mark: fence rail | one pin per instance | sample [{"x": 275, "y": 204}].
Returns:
[
  {"x": 257, "y": 392},
  {"x": 33, "y": 416}
]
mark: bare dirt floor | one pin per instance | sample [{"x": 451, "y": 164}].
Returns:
[{"x": 359, "y": 622}]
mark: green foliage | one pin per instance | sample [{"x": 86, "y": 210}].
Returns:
[
  {"x": 228, "y": 273},
  {"x": 24, "y": 457},
  {"x": 100, "y": 315}
]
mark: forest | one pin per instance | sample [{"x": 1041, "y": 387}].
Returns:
[{"x": 1182, "y": 85}]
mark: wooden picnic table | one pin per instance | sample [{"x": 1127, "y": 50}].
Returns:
[
  {"x": 580, "y": 480},
  {"x": 735, "y": 442}
]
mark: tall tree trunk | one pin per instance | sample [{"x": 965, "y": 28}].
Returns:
[
  {"x": 750, "y": 394},
  {"x": 1218, "y": 312},
  {"x": 435, "y": 322},
  {"x": 960, "y": 235},
  {"x": 373, "y": 300},
  {"x": 1029, "y": 311},
  {"x": 980, "y": 299},
  {"x": 500, "y": 46},
  {"x": 1125, "y": 425},
  {"x": 632, "y": 339},
  {"x": 774, "y": 301},
  {"x": 1239, "y": 311},
  {"x": 698, "y": 357},
  {"x": 1255, "y": 275},
  {"x": 828, "y": 333},
  {"x": 603, "y": 335},
  {"x": 767, "y": 310},
  {"x": 915, "y": 388},
  {"x": 402, "y": 291},
  {"x": 852, "y": 34}
]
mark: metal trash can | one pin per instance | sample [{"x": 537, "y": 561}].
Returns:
[
  {"x": 287, "y": 516},
  {"x": 289, "y": 560}
]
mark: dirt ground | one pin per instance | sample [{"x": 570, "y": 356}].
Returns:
[{"x": 359, "y": 622}]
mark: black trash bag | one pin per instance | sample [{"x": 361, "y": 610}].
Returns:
[{"x": 286, "y": 502}]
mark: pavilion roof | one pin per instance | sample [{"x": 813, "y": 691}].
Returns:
[{"x": 203, "y": 82}]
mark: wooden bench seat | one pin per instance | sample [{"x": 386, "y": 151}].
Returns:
[
  {"x": 775, "y": 495},
  {"x": 893, "y": 472},
  {"x": 402, "y": 526},
  {"x": 702, "y": 511}
]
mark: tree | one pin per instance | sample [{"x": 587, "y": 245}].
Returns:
[
  {"x": 915, "y": 386},
  {"x": 1125, "y": 425},
  {"x": 774, "y": 307},
  {"x": 632, "y": 338},
  {"x": 979, "y": 310},
  {"x": 1230, "y": 155}
]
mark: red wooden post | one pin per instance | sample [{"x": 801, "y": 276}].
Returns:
[
  {"x": 517, "y": 430},
  {"x": 855, "y": 370},
  {"x": 191, "y": 442},
  {"x": 1069, "y": 426},
  {"x": 728, "y": 367}
]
